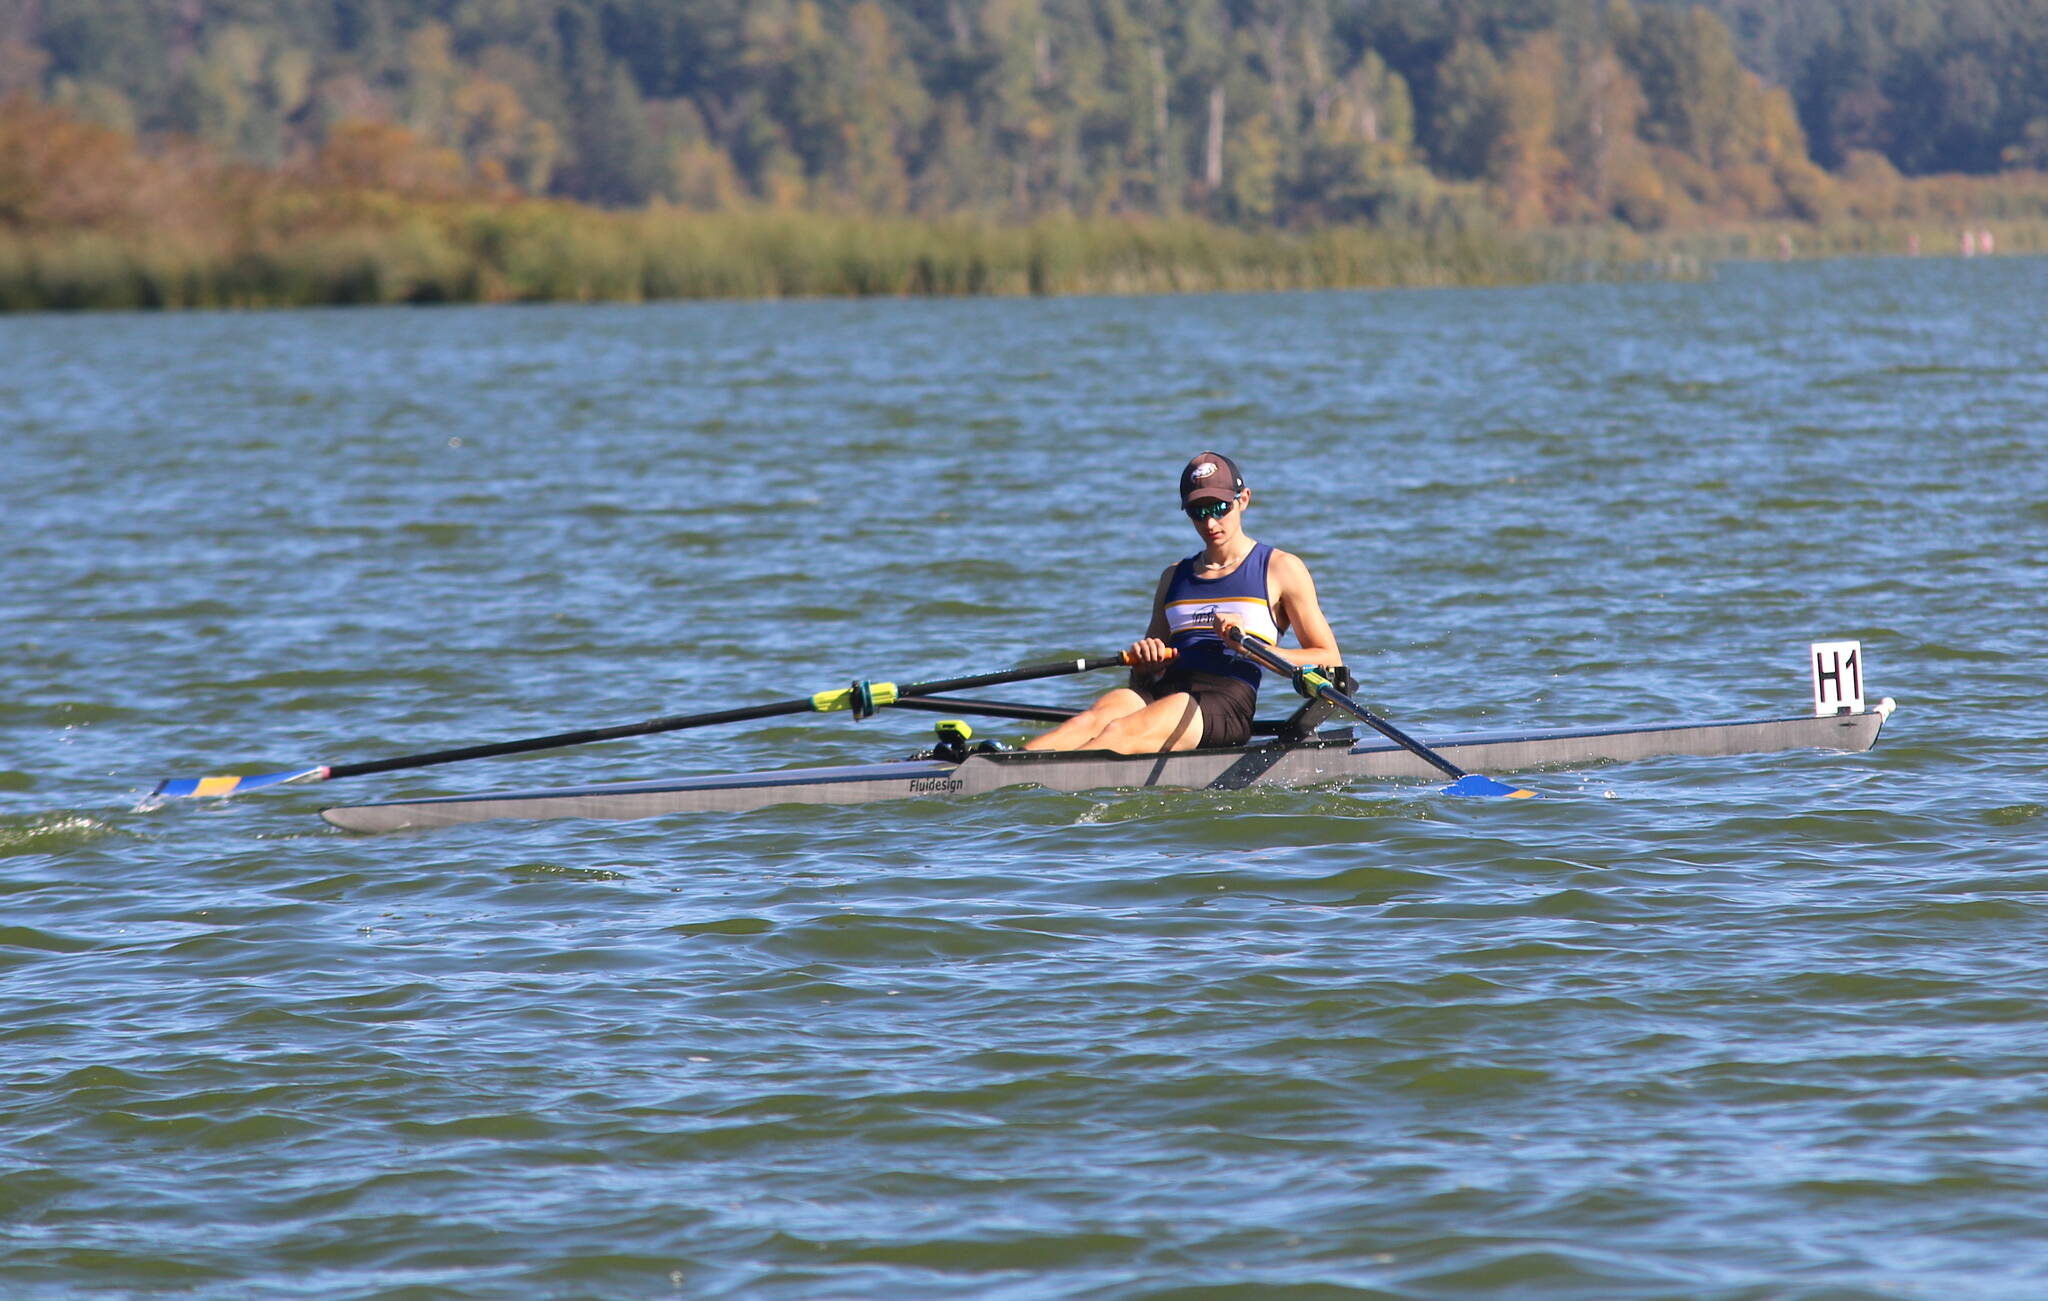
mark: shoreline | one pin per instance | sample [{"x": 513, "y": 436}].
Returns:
[{"x": 407, "y": 253}]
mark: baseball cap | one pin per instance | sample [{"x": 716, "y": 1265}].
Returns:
[{"x": 1211, "y": 476}]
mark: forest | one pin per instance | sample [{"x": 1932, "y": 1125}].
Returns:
[{"x": 1368, "y": 135}]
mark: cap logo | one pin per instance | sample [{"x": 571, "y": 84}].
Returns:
[{"x": 1205, "y": 469}]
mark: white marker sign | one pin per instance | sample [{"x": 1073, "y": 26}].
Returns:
[{"x": 1837, "y": 677}]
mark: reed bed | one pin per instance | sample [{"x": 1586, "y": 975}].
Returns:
[
  {"x": 413, "y": 252},
  {"x": 392, "y": 250}
]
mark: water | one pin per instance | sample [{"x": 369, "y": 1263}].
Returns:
[{"x": 1690, "y": 1028}]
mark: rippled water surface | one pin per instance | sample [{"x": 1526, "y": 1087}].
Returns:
[{"x": 1691, "y": 1028}]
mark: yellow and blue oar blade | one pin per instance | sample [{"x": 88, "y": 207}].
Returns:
[
  {"x": 203, "y": 787},
  {"x": 1476, "y": 784}
]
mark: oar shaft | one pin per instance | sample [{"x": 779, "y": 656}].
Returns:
[
  {"x": 821, "y": 702},
  {"x": 985, "y": 708},
  {"x": 560, "y": 739},
  {"x": 1274, "y": 662},
  {"x": 1395, "y": 734},
  {"x": 1026, "y": 674}
]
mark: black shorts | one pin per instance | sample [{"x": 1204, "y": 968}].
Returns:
[{"x": 1226, "y": 702}]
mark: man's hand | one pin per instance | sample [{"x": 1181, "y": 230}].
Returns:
[
  {"x": 1149, "y": 653},
  {"x": 1227, "y": 625}
]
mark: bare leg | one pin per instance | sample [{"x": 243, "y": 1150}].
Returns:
[
  {"x": 1082, "y": 728},
  {"x": 1170, "y": 723}
]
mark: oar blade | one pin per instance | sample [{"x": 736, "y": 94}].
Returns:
[
  {"x": 1478, "y": 786},
  {"x": 205, "y": 787}
]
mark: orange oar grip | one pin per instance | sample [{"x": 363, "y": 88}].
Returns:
[{"x": 1125, "y": 656}]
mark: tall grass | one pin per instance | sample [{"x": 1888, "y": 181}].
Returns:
[
  {"x": 414, "y": 251},
  {"x": 384, "y": 249}
]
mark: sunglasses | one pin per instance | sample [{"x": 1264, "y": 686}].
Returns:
[{"x": 1202, "y": 510}]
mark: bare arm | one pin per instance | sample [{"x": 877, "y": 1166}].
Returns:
[
  {"x": 1295, "y": 607},
  {"x": 1150, "y": 653}
]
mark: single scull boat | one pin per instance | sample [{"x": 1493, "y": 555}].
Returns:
[
  {"x": 1301, "y": 752},
  {"x": 1298, "y": 756}
]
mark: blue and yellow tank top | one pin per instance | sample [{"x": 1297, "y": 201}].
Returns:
[{"x": 1241, "y": 592}]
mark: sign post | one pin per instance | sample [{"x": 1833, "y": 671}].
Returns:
[{"x": 1837, "y": 677}]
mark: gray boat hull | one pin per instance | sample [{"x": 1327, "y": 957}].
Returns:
[{"x": 1328, "y": 758}]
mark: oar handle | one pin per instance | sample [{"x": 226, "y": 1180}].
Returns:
[{"x": 1124, "y": 657}]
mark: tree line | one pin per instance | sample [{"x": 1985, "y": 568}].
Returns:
[
  {"x": 1432, "y": 115},
  {"x": 1954, "y": 86}
]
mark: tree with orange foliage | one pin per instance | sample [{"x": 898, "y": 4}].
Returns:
[
  {"x": 1525, "y": 162},
  {"x": 384, "y": 156},
  {"x": 57, "y": 172}
]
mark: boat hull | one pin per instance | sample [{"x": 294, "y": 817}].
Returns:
[{"x": 1327, "y": 758}]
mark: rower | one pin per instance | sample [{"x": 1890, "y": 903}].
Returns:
[{"x": 1188, "y": 686}]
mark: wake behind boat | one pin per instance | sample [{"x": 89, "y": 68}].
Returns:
[{"x": 1326, "y": 757}]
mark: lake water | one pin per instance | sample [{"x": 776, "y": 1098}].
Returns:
[{"x": 1692, "y": 1028}]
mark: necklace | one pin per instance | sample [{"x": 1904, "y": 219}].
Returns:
[{"x": 1227, "y": 562}]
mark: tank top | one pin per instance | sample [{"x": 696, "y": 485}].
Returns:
[{"x": 1241, "y": 592}]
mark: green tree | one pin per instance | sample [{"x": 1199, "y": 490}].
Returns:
[
  {"x": 242, "y": 90},
  {"x": 1470, "y": 115},
  {"x": 613, "y": 158}
]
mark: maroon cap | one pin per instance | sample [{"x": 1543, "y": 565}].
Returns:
[{"x": 1212, "y": 476}]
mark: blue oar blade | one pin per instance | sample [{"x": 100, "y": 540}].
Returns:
[
  {"x": 1475, "y": 785},
  {"x": 180, "y": 787}
]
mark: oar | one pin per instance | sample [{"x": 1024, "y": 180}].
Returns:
[
  {"x": 1036, "y": 713},
  {"x": 987, "y": 708},
  {"x": 1312, "y": 682},
  {"x": 863, "y": 698}
]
